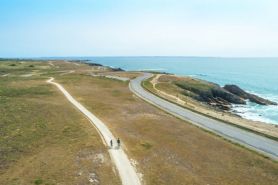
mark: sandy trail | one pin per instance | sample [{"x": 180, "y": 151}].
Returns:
[
  {"x": 126, "y": 171},
  {"x": 51, "y": 63},
  {"x": 154, "y": 82},
  {"x": 124, "y": 79},
  {"x": 5, "y": 75},
  {"x": 28, "y": 75},
  {"x": 67, "y": 72}
]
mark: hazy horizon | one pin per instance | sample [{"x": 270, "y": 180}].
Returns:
[
  {"x": 202, "y": 28},
  {"x": 134, "y": 56}
]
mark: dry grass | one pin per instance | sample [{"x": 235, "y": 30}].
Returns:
[
  {"x": 166, "y": 88},
  {"x": 168, "y": 150},
  {"x": 44, "y": 140},
  {"x": 130, "y": 75}
]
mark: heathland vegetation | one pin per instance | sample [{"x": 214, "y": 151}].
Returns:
[{"x": 44, "y": 140}]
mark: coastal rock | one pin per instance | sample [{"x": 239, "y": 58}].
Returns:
[
  {"x": 93, "y": 64},
  {"x": 117, "y": 69},
  {"x": 214, "y": 94},
  {"x": 100, "y": 65},
  {"x": 219, "y": 97},
  {"x": 245, "y": 95},
  {"x": 210, "y": 93},
  {"x": 227, "y": 96}
]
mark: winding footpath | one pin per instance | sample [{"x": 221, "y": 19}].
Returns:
[
  {"x": 126, "y": 171},
  {"x": 124, "y": 79},
  {"x": 248, "y": 139}
]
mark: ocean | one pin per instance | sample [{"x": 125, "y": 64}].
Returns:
[{"x": 255, "y": 75}]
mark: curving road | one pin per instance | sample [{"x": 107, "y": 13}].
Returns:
[
  {"x": 251, "y": 140},
  {"x": 126, "y": 171}
]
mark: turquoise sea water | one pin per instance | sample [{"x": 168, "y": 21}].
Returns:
[{"x": 255, "y": 75}]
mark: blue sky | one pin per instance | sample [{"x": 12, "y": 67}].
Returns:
[{"x": 231, "y": 28}]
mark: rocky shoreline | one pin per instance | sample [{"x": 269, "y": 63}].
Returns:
[
  {"x": 248, "y": 96},
  {"x": 222, "y": 97},
  {"x": 214, "y": 95},
  {"x": 100, "y": 65},
  {"x": 90, "y": 63}
]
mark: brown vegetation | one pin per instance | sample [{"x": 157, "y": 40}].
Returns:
[
  {"x": 44, "y": 140},
  {"x": 167, "y": 150}
]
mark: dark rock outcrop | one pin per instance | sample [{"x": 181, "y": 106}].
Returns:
[
  {"x": 219, "y": 97},
  {"x": 93, "y": 64},
  {"x": 117, "y": 69},
  {"x": 227, "y": 96},
  {"x": 245, "y": 95}
]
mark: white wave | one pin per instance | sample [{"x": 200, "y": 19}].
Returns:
[
  {"x": 255, "y": 112},
  {"x": 194, "y": 76},
  {"x": 271, "y": 97}
]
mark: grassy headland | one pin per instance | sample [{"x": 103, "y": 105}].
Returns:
[
  {"x": 167, "y": 150},
  {"x": 44, "y": 140},
  {"x": 59, "y": 143},
  {"x": 190, "y": 93}
]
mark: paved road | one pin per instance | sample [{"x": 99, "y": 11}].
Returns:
[
  {"x": 251, "y": 140},
  {"x": 126, "y": 171}
]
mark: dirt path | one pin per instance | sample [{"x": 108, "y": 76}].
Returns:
[
  {"x": 5, "y": 75},
  {"x": 126, "y": 171},
  {"x": 124, "y": 79},
  {"x": 67, "y": 72},
  {"x": 154, "y": 82}
]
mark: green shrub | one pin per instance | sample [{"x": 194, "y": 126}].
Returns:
[
  {"x": 146, "y": 145},
  {"x": 38, "y": 181}
]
